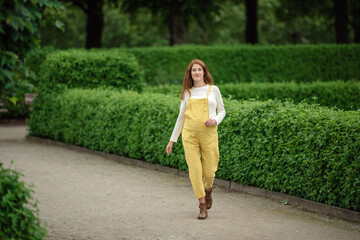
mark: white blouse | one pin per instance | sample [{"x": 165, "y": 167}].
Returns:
[{"x": 215, "y": 103}]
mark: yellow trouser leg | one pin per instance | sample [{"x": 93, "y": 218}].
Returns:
[
  {"x": 192, "y": 156},
  {"x": 210, "y": 157}
]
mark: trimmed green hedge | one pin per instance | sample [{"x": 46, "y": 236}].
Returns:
[
  {"x": 303, "y": 150},
  {"x": 33, "y": 62},
  {"x": 344, "y": 95},
  {"x": 19, "y": 214},
  {"x": 81, "y": 68},
  {"x": 241, "y": 63}
]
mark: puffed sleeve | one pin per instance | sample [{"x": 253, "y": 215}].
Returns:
[{"x": 220, "y": 107}]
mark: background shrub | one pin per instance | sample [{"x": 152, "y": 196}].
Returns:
[
  {"x": 81, "y": 68},
  {"x": 344, "y": 95},
  {"x": 16, "y": 107},
  {"x": 19, "y": 214},
  {"x": 303, "y": 150},
  {"x": 33, "y": 62},
  {"x": 227, "y": 64},
  {"x": 241, "y": 63}
]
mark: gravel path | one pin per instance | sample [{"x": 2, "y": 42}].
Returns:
[{"x": 83, "y": 196}]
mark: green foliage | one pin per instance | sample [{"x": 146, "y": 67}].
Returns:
[
  {"x": 228, "y": 64},
  {"x": 234, "y": 64},
  {"x": 177, "y": 14},
  {"x": 81, "y": 68},
  {"x": 298, "y": 15},
  {"x": 34, "y": 62},
  {"x": 303, "y": 150},
  {"x": 19, "y": 214},
  {"x": 16, "y": 104},
  {"x": 17, "y": 89},
  {"x": 344, "y": 95},
  {"x": 145, "y": 29},
  {"x": 120, "y": 30},
  {"x": 71, "y": 36},
  {"x": 19, "y": 23},
  {"x": 122, "y": 123},
  {"x": 133, "y": 30},
  {"x": 227, "y": 27}
]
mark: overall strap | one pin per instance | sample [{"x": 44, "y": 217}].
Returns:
[{"x": 207, "y": 96}]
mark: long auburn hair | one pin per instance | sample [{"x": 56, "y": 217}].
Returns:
[{"x": 188, "y": 82}]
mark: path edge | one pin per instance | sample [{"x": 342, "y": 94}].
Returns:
[{"x": 303, "y": 204}]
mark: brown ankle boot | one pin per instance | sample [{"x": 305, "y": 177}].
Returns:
[
  {"x": 208, "y": 198},
  {"x": 203, "y": 211}
]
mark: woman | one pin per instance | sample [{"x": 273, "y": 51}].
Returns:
[{"x": 197, "y": 121}]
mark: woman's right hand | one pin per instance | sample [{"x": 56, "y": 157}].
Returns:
[{"x": 169, "y": 147}]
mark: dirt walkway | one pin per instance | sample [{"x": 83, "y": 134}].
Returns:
[{"x": 83, "y": 196}]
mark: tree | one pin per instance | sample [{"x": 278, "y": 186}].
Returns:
[
  {"x": 177, "y": 13},
  {"x": 354, "y": 6},
  {"x": 251, "y": 33},
  {"x": 335, "y": 11},
  {"x": 19, "y": 23},
  {"x": 94, "y": 19},
  {"x": 341, "y": 21}
]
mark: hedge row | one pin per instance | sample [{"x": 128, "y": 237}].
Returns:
[
  {"x": 81, "y": 68},
  {"x": 228, "y": 64},
  {"x": 344, "y": 95},
  {"x": 77, "y": 68},
  {"x": 19, "y": 214},
  {"x": 298, "y": 149},
  {"x": 241, "y": 63}
]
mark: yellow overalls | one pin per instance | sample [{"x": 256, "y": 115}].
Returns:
[{"x": 200, "y": 141}]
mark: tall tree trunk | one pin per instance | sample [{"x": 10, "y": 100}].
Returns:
[
  {"x": 94, "y": 23},
  {"x": 355, "y": 23},
  {"x": 341, "y": 21},
  {"x": 294, "y": 37},
  {"x": 178, "y": 27},
  {"x": 251, "y": 34}
]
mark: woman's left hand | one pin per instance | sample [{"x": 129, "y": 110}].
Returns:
[{"x": 210, "y": 122}]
